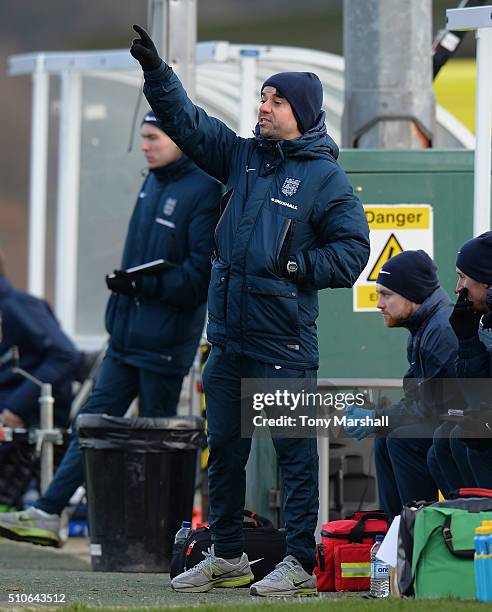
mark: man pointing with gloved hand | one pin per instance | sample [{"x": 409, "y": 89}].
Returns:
[{"x": 290, "y": 226}]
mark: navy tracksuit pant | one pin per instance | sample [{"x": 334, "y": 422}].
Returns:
[
  {"x": 401, "y": 467},
  {"x": 298, "y": 460},
  {"x": 116, "y": 386},
  {"x": 448, "y": 461},
  {"x": 455, "y": 465}
]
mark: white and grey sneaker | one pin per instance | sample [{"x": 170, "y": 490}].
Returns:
[
  {"x": 288, "y": 578},
  {"x": 213, "y": 572},
  {"x": 31, "y": 525}
]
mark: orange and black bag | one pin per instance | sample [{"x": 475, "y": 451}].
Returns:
[{"x": 344, "y": 554}]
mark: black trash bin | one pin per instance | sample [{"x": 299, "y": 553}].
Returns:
[{"x": 140, "y": 479}]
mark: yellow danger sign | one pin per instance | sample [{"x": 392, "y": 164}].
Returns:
[
  {"x": 366, "y": 297},
  {"x": 398, "y": 217},
  {"x": 390, "y": 249},
  {"x": 394, "y": 228}
]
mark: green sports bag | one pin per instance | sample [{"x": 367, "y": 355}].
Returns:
[{"x": 443, "y": 548}]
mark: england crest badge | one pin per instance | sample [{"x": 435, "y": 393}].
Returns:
[
  {"x": 169, "y": 206},
  {"x": 290, "y": 186}
]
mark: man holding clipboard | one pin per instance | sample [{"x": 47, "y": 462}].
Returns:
[{"x": 155, "y": 315}]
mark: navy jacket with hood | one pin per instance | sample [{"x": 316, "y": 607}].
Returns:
[
  {"x": 173, "y": 219},
  {"x": 431, "y": 352},
  {"x": 283, "y": 198},
  {"x": 475, "y": 356},
  {"x": 475, "y": 361},
  {"x": 45, "y": 352}
]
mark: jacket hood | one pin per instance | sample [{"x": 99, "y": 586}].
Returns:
[
  {"x": 313, "y": 144},
  {"x": 438, "y": 299}
]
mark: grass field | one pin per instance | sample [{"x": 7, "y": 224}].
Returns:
[
  {"x": 26, "y": 569},
  {"x": 324, "y": 605}
]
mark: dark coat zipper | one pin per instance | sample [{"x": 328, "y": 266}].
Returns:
[
  {"x": 224, "y": 205},
  {"x": 285, "y": 242}
]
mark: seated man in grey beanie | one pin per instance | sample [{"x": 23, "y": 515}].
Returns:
[
  {"x": 465, "y": 458},
  {"x": 410, "y": 297}
]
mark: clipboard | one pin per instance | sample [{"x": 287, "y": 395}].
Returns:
[{"x": 150, "y": 267}]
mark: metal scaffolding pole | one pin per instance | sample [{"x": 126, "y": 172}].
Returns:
[
  {"x": 249, "y": 93},
  {"x": 38, "y": 178},
  {"x": 389, "y": 101},
  {"x": 172, "y": 24},
  {"x": 480, "y": 19},
  {"x": 67, "y": 230}
]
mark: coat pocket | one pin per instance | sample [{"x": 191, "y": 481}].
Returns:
[
  {"x": 272, "y": 308},
  {"x": 217, "y": 291},
  {"x": 152, "y": 326}
]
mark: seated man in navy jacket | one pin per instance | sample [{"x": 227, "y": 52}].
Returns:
[
  {"x": 155, "y": 321},
  {"x": 464, "y": 459},
  {"x": 27, "y": 322},
  {"x": 45, "y": 352},
  {"x": 410, "y": 297}
]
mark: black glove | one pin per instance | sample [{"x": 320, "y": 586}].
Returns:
[
  {"x": 487, "y": 317},
  {"x": 121, "y": 282},
  {"x": 464, "y": 319},
  {"x": 144, "y": 51},
  {"x": 477, "y": 423}
]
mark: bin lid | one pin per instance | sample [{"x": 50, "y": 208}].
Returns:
[{"x": 140, "y": 434}]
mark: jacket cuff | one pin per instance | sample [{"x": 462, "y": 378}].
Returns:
[
  {"x": 304, "y": 265},
  {"x": 163, "y": 72},
  {"x": 308, "y": 266},
  {"x": 149, "y": 285},
  {"x": 471, "y": 347}
]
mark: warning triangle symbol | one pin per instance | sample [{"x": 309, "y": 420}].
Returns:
[{"x": 390, "y": 249}]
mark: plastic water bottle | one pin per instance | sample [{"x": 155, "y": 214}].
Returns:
[
  {"x": 183, "y": 533},
  {"x": 478, "y": 561},
  {"x": 379, "y": 572},
  {"x": 487, "y": 561},
  {"x": 178, "y": 557}
]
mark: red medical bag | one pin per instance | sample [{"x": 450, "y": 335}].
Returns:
[{"x": 344, "y": 560}]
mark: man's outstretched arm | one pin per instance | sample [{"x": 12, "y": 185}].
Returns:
[{"x": 206, "y": 140}]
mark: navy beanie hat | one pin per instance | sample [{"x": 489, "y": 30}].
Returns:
[
  {"x": 475, "y": 258},
  {"x": 303, "y": 91},
  {"x": 152, "y": 119},
  {"x": 411, "y": 274}
]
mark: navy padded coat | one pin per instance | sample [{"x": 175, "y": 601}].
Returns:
[
  {"x": 45, "y": 352},
  {"x": 174, "y": 219},
  {"x": 283, "y": 198},
  {"x": 429, "y": 383}
]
